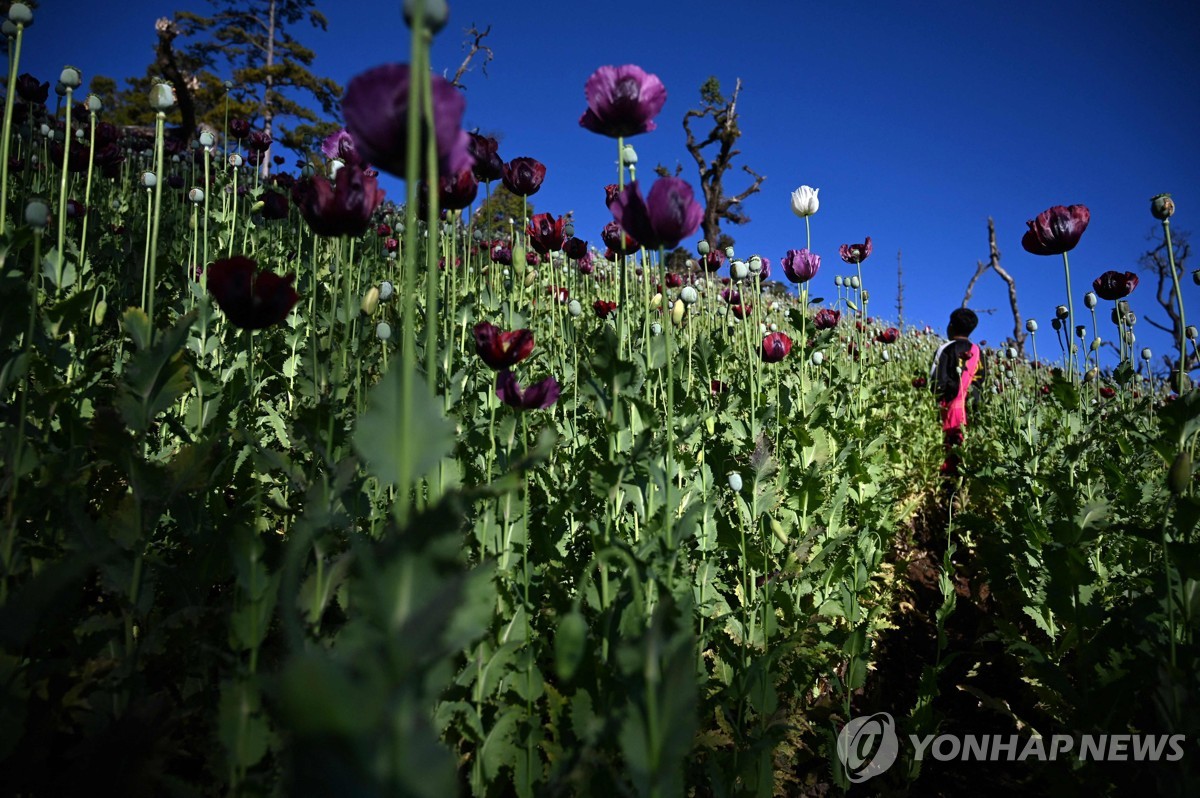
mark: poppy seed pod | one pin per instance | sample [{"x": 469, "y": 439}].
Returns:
[
  {"x": 689, "y": 295},
  {"x": 629, "y": 155},
  {"x": 1116, "y": 316},
  {"x": 1130, "y": 319},
  {"x": 1196, "y": 277},
  {"x": 1056, "y": 324},
  {"x": 1012, "y": 353},
  {"x": 235, "y": 160},
  {"x": 149, "y": 180},
  {"x": 196, "y": 195},
  {"x": 656, "y": 329},
  {"x": 568, "y": 230},
  {"x": 386, "y": 290},
  {"x": 838, "y": 281},
  {"x": 703, "y": 248},
  {"x": 20, "y": 14},
  {"x": 207, "y": 139},
  {"x": 1162, "y": 207},
  {"x": 8, "y": 29},
  {"x": 1031, "y": 326},
  {"x": 866, "y": 296},
  {"x": 1147, "y": 354},
  {"x": 735, "y": 481},
  {"x": 574, "y": 308},
  {"x": 729, "y": 252},
  {"x": 383, "y": 331},
  {"x": 1080, "y": 331},
  {"x": 70, "y": 77},
  {"x": 1061, "y": 313},
  {"x": 1089, "y": 300},
  {"x": 37, "y": 214},
  {"x": 854, "y": 283},
  {"x": 434, "y": 14},
  {"x": 818, "y": 358},
  {"x": 162, "y": 96},
  {"x": 738, "y": 270},
  {"x": 1190, "y": 332},
  {"x": 94, "y": 105}
]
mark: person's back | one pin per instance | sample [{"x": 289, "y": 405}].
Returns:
[{"x": 956, "y": 367}]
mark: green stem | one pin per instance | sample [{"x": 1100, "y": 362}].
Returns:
[
  {"x": 8, "y": 112},
  {"x": 1179, "y": 305}
]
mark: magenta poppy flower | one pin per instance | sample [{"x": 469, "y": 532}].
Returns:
[
  {"x": 538, "y": 396},
  {"x": 485, "y": 151},
  {"x": 764, "y": 271},
  {"x": 800, "y": 265},
  {"x": 1115, "y": 285},
  {"x": 617, "y": 240},
  {"x": 343, "y": 207},
  {"x": 546, "y": 233},
  {"x": 663, "y": 218},
  {"x": 622, "y": 101},
  {"x": 674, "y": 280},
  {"x": 250, "y": 299},
  {"x": 717, "y": 387},
  {"x": 826, "y": 319},
  {"x": 732, "y": 296},
  {"x": 889, "y": 336},
  {"x": 502, "y": 350},
  {"x": 1057, "y": 230},
  {"x": 376, "y": 109},
  {"x": 604, "y": 308},
  {"x": 775, "y": 347},
  {"x": 855, "y": 253},
  {"x": 340, "y": 145},
  {"x": 585, "y": 264},
  {"x": 523, "y": 176}
]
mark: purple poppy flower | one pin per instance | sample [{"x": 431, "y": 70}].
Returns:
[
  {"x": 31, "y": 91},
  {"x": 764, "y": 272},
  {"x": 523, "y": 176},
  {"x": 665, "y": 217},
  {"x": 275, "y": 205},
  {"x": 775, "y": 347},
  {"x": 800, "y": 265},
  {"x": 376, "y": 109},
  {"x": 616, "y": 239},
  {"x": 259, "y": 141},
  {"x": 340, "y": 145},
  {"x": 239, "y": 128},
  {"x": 855, "y": 253},
  {"x": 341, "y": 208},
  {"x": 1115, "y": 285},
  {"x": 575, "y": 248},
  {"x": 501, "y": 253},
  {"x": 1057, "y": 230},
  {"x": 538, "y": 396},
  {"x": 488, "y": 165},
  {"x": 622, "y": 101},
  {"x": 457, "y": 191},
  {"x": 826, "y": 319}
]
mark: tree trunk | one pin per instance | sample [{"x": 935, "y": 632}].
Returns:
[{"x": 265, "y": 164}]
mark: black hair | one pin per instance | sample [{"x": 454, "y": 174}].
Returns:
[{"x": 962, "y": 322}]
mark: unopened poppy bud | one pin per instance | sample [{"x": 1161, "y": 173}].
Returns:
[
  {"x": 434, "y": 14},
  {"x": 196, "y": 195},
  {"x": 37, "y": 214},
  {"x": 1031, "y": 326},
  {"x": 629, "y": 155},
  {"x": 235, "y": 160},
  {"x": 1180, "y": 475},
  {"x": 531, "y": 277},
  {"x": 1162, "y": 207},
  {"x": 1080, "y": 331},
  {"x": 1147, "y": 354},
  {"x": 94, "y": 104},
  {"x": 370, "y": 302},
  {"x": 98, "y": 314},
  {"x": 886, "y": 355},
  {"x": 1061, "y": 313},
  {"x": 257, "y": 206},
  {"x": 1190, "y": 332},
  {"x": 656, "y": 329},
  {"x": 574, "y": 308},
  {"x": 162, "y": 96},
  {"x": 1089, "y": 300},
  {"x": 1095, "y": 344},
  {"x": 735, "y": 481},
  {"x": 20, "y": 14},
  {"x": 656, "y": 301},
  {"x": 837, "y": 280},
  {"x": 738, "y": 270},
  {"x": 70, "y": 77},
  {"x": 386, "y": 290},
  {"x": 818, "y": 358},
  {"x": 518, "y": 254},
  {"x": 866, "y": 295},
  {"x": 383, "y": 331},
  {"x": 729, "y": 252},
  {"x": 1056, "y": 324},
  {"x": 677, "y": 312},
  {"x": 1091, "y": 375},
  {"x": 703, "y": 247}
]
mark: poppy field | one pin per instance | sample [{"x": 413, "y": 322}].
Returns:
[{"x": 310, "y": 490}]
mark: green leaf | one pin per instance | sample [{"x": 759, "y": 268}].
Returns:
[
  {"x": 381, "y": 435},
  {"x": 570, "y": 644},
  {"x": 241, "y": 727}
]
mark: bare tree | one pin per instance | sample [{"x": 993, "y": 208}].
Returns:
[
  {"x": 1157, "y": 263},
  {"x": 993, "y": 263},
  {"x": 718, "y": 206},
  {"x": 474, "y": 47}
]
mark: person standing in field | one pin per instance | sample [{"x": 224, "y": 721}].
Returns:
[{"x": 957, "y": 368}]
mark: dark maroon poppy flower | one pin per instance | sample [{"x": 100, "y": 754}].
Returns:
[
  {"x": 31, "y": 91},
  {"x": 275, "y": 205},
  {"x": 742, "y": 311},
  {"x": 665, "y": 217},
  {"x": 546, "y": 233},
  {"x": 341, "y": 208},
  {"x": 501, "y": 253},
  {"x": 800, "y": 265},
  {"x": 826, "y": 319},
  {"x": 76, "y": 209},
  {"x": 674, "y": 280},
  {"x": 457, "y": 191},
  {"x": 1107, "y": 392},
  {"x": 538, "y": 396},
  {"x": 731, "y": 296},
  {"x": 376, "y": 109},
  {"x": 502, "y": 350},
  {"x": 585, "y": 264},
  {"x": 622, "y": 101},
  {"x": 775, "y": 347},
  {"x": 259, "y": 141},
  {"x": 716, "y": 387},
  {"x": 251, "y": 300},
  {"x": 575, "y": 248},
  {"x": 855, "y": 253},
  {"x": 611, "y": 192},
  {"x": 523, "y": 176},
  {"x": 889, "y": 336},
  {"x": 532, "y": 258},
  {"x": 557, "y": 292},
  {"x": 604, "y": 308},
  {"x": 488, "y": 164},
  {"x": 1056, "y": 230},
  {"x": 239, "y": 128},
  {"x": 919, "y": 382},
  {"x": 712, "y": 261},
  {"x": 1115, "y": 285},
  {"x": 617, "y": 240}
]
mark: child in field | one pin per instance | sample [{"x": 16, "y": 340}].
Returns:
[{"x": 956, "y": 367}]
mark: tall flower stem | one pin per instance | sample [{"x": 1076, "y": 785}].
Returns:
[
  {"x": 8, "y": 112},
  {"x": 431, "y": 245},
  {"x": 1166, "y": 223},
  {"x": 670, "y": 433},
  {"x": 807, "y": 234},
  {"x": 87, "y": 191},
  {"x": 159, "y": 118},
  {"x": 62, "y": 195},
  {"x": 1070, "y": 324}
]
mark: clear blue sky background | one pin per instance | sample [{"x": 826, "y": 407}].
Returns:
[{"x": 917, "y": 120}]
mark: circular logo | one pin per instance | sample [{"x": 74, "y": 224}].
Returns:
[{"x": 867, "y": 746}]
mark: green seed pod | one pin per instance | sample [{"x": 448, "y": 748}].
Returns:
[
  {"x": 98, "y": 316},
  {"x": 37, "y": 214},
  {"x": 20, "y": 14},
  {"x": 1180, "y": 475},
  {"x": 703, "y": 248},
  {"x": 1031, "y": 326},
  {"x": 383, "y": 331},
  {"x": 735, "y": 481},
  {"x": 162, "y": 96},
  {"x": 629, "y": 155},
  {"x": 70, "y": 77},
  {"x": 1147, "y": 354},
  {"x": 94, "y": 104},
  {"x": 1162, "y": 207},
  {"x": 434, "y": 14}
]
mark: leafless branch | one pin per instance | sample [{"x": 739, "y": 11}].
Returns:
[{"x": 476, "y": 46}]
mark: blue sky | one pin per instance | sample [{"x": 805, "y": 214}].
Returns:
[{"x": 917, "y": 120}]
